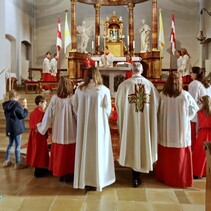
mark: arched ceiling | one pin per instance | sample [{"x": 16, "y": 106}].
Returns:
[{"x": 111, "y": 2}]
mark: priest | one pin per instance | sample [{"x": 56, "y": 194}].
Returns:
[
  {"x": 106, "y": 59},
  {"x": 137, "y": 105}
]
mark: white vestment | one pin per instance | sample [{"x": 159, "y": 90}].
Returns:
[
  {"x": 179, "y": 63},
  {"x": 174, "y": 120},
  {"x": 94, "y": 163},
  {"x": 53, "y": 67},
  {"x": 138, "y": 129},
  {"x": 107, "y": 60},
  {"x": 59, "y": 114},
  {"x": 197, "y": 90},
  {"x": 186, "y": 67},
  {"x": 46, "y": 66}
]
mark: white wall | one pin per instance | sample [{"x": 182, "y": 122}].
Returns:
[
  {"x": 16, "y": 24},
  {"x": 2, "y": 50}
]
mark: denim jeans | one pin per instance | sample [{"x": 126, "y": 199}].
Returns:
[{"x": 17, "y": 141}]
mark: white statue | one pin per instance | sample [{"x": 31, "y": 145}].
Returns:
[
  {"x": 145, "y": 31},
  {"x": 83, "y": 34}
]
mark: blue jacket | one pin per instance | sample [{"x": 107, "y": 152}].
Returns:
[{"x": 15, "y": 114}]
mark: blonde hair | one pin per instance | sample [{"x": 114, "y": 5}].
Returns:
[
  {"x": 13, "y": 94},
  {"x": 206, "y": 101},
  {"x": 65, "y": 87},
  {"x": 173, "y": 86},
  {"x": 94, "y": 74}
]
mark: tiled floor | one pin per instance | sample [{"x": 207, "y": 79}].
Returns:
[{"x": 19, "y": 190}]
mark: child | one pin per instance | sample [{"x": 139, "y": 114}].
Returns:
[
  {"x": 15, "y": 114},
  {"x": 204, "y": 134},
  {"x": 37, "y": 151},
  {"x": 60, "y": 116}
]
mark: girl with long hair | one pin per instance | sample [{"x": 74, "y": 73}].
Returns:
[
  {"x": 204, "y": 134},
  {"x": 176, "y": 109}
]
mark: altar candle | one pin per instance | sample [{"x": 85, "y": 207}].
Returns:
[
  {"x": 98, "y": 40},
  {"x": 92, "y": 45},
  {"x": 133, "y": 44},
  {"x": 128, "y": 40}
]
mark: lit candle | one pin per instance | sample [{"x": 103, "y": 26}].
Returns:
[
  {"x": 92, "y": 45},
  {"x": 128, "y": 40},
  {"x": 98, "y": 41},
  {"x": 133, "y": 44}
]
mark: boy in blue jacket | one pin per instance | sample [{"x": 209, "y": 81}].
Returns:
[{"x": 15, "y": 114}]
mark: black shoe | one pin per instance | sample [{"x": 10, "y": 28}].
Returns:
[
  {"x": 196, "y": 177},
  {"x": 61, "y": 179},
  {"x": 136, "y": 183},
  {"x": 68, "y": 178},
  {"x": 90, "y": 188},
  {"x": 136, "y": 178}
]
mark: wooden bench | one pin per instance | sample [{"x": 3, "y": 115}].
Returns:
[{"x": 32, "y": 84}]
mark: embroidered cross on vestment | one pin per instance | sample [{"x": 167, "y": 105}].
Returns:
[{"x": 139, "y": 97}]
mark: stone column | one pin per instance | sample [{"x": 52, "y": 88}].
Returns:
[
  {"x": 131, "y": 27},
  {"x": 97, "y": 28},
  {"x": 73, "y": 25},
  {"x": 154, "y": 25}
]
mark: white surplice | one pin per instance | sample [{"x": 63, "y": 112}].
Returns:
[
  {"x": 174, "y": 120},
  {"x": 138, "y": 130},
  {"x": 46, "y": 65},
  {"x": 53, "y": 66},
  {"x": 94, "y": 163},
  {"x": 197, "y": 90},
  {"x": 107, "y": 60},
  {"x": 186, "y": 67},
  {"x": 64, "y": 128}
]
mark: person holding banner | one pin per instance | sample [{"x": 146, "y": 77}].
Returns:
[{"x": 186, "y": 67}]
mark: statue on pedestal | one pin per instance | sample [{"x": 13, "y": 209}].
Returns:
[
  {"x": 83, "y": 35},
  {"x": 145, "y": 31}
]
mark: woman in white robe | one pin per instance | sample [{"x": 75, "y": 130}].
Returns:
[
  {"x": 94, "y": 162},
  {"x": 176, "y": 109},
  {"x": 60, "y": 116}
]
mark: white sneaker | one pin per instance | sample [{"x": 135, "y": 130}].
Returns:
[
  {"x": 20, "y": 166},
  {"x": 7, "y": 163}
]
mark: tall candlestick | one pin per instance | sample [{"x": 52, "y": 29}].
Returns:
[
  {"x": 128, "y": 40},
  {"x": 98, "y": 40},
  {"x": 133, "y": 44}
]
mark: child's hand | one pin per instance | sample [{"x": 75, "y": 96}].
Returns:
[{"x": 25, "y": 103}]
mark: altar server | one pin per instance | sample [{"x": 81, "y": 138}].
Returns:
[
  {"x": 107, "y": 58},
  {"x": 37, "y": 149},
  {"x": 94, "y": 162},
  {"x": 137, "y": 104},
  {"x": 60, "y": 115},
  {"x": 177, "y": 107}
]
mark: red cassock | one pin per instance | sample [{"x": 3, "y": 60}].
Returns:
[
  {"x": 62, "y": 159},
  {"x": 203, "y": 135},
  {"x": 47, "y": 77},
  {"x": 174, "y": 166},
  {"x": 37, "y": 150}
]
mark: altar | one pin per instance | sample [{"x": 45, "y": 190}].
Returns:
[
  {"x": 112, "y": 36},
  {"x": 115, "y": 76}
]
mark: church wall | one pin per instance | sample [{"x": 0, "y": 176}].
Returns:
[
  {"x": 2, "y": 52},
  {"x": 16, "y": 26}
]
